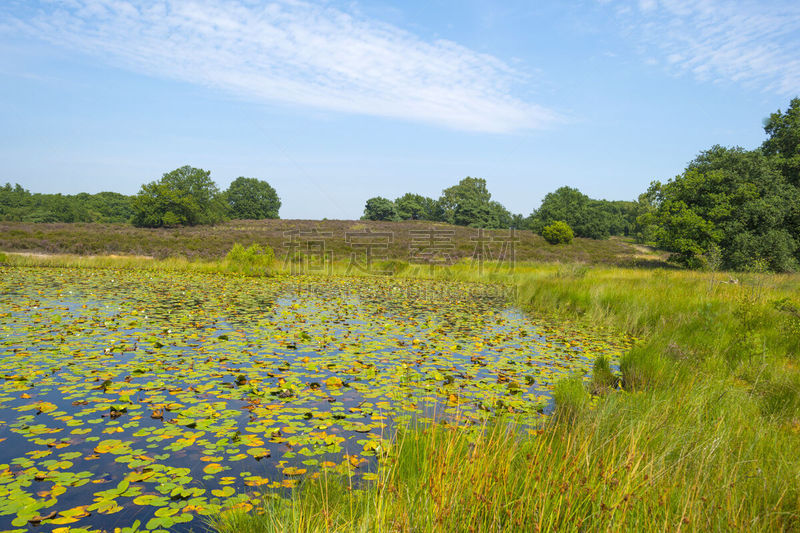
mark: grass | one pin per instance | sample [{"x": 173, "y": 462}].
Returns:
[{"x": 704, "y": 434}]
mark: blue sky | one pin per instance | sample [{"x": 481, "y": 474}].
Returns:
[{"x": 334, "y": 102}]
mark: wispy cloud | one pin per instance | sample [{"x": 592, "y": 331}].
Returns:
[
  {"x": 753, "y": 43},
  {"x": 295, "y": 52}
]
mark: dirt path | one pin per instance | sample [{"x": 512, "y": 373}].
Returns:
[{"x": 40, "y": 255}]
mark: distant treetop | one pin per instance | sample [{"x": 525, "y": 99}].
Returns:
[
  {"x": 252, "y": 199},
  {"x": 184, "y": 197}
]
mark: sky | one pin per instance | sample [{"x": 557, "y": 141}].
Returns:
[{"x": 334, "y": 102}]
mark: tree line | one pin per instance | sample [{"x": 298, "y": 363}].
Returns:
[
  {"x": 733, "y": 208},
  {"x": 469, "y": 203},
  {"x": 20, "y": 205},
  {"x": 730, "y": 208},
  {"x": 186, "y": 196}
]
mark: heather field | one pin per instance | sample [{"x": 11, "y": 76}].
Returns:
[{"x": 398, "y": 238}]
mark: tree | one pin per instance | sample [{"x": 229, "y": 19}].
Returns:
[
  {"x": 732, "y": 198},
  {"x": 185, "y": 196},
  {"x": 593, "y": 219},
  {"x": 252, "y": 199},
  {"x": 412, "y": 206},
  {"x": 571, "y": 206},
  {"x": 379, "y": 208},
  {"x": 684, "y": 233},
  {"x": 784, "y": 141},
  {"x": 466, "y": 204},
  {"x": 20, "y": 205},
  {"x": 500, "y": 217},
  {"x": 107, "y": 207},
  {"x": 470, "y": 204}
]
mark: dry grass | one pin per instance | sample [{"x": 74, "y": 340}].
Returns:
[{"x": 213, "y": 242}]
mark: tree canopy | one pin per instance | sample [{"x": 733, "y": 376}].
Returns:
[
  {"x": 412, "y": 206},
  {"x": 379, "y": 208},
  {"x": 186, "y": 196},
  {"x": 593, "y": 219},
  {"x": 19, "y": 204},
  {"x": 732, "y": 199},
  {"x": 783, "y": 143},
  {"x": 252, "y": 199},
  {"x": 467, "y": 203}
]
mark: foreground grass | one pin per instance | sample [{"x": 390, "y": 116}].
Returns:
[{"x": 704, "y": 436}]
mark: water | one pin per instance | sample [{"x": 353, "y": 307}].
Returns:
[{"x": 128, "y": 392}]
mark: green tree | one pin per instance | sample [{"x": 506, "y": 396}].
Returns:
[
  {"x": 589, "y": 218},
  {"x": 379, "y": 208},
  {"x": 735, "y": 199},
  {"x": 412, "y": 206},
  {"x": 585, "y": 216},
  {"x": 185, "y": 196},
  {"x": 252, "y": 199},
  {"x": 684, "y": 233},
  {"x": 644, "y": 227},
  {"x": 784, "y": 141},
  {"x": 466, "y": 204},
  {"x": 105, "y": 207},
  {"x": 501, "y": 217},
  {"x": 18, "y": 204}
]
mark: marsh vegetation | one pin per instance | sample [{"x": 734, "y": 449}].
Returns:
[{"x": 645, "y": 400}]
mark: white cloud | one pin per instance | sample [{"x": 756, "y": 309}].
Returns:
[
  {"x": 647, "y": 5},
  {"x": 753, "y": 43},
  {"x": 295, "y": 52}
]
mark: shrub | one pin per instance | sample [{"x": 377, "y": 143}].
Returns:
[
  {"x": 558, "y": 233},
  {"x": 251, "y": 261}
]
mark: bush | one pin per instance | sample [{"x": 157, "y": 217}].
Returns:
[
  {"x": 251, "y": 261},
  {"x": 558, "y": 233}
]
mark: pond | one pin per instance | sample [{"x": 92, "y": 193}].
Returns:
[{"x": 150, "y": 399}]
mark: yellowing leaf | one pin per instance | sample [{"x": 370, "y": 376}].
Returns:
[{"x": 213, "y": 468}]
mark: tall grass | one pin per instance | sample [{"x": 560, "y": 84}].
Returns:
[
  {"x": 593, "y": 473},
  {"x": 705, "y": 435}
]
